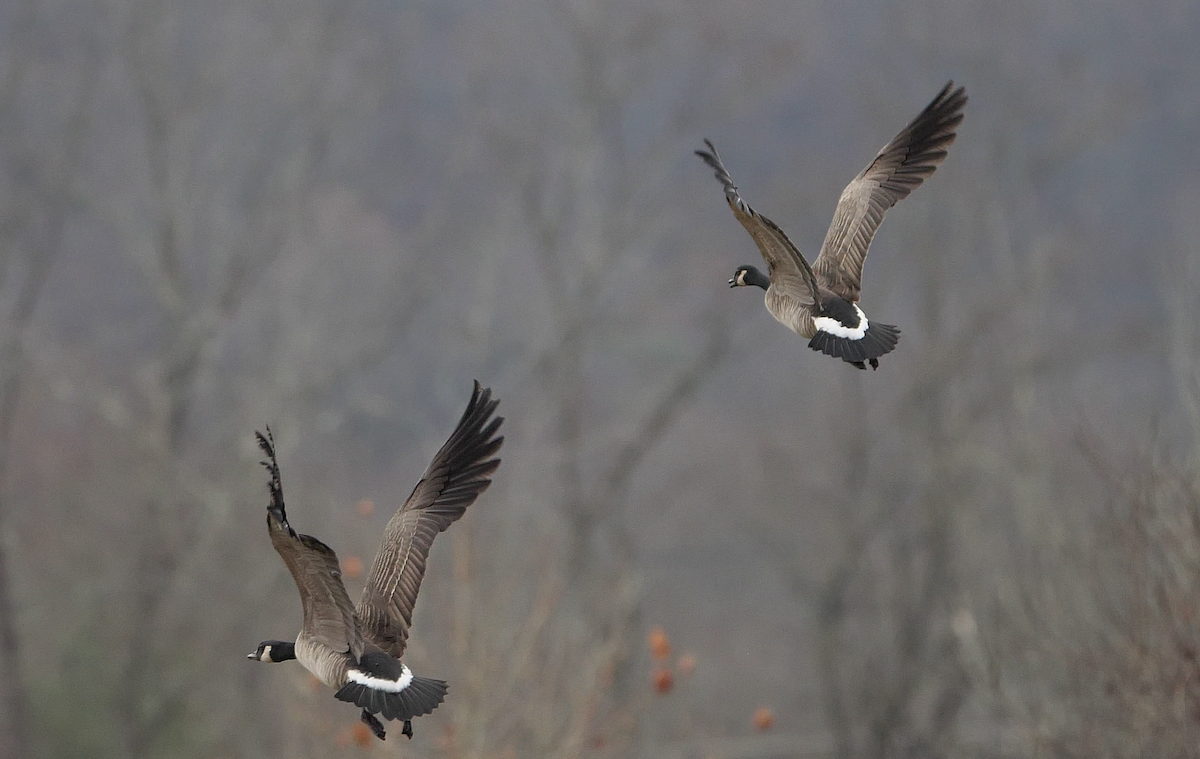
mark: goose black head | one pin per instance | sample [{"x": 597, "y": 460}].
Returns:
[
  {"x": 274, "y": 651},
  {"x": 748, "y": 275}
]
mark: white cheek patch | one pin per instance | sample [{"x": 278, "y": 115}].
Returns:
[
  {"x": 378, "y": 683},
  {"x": 836, "y": 328}
]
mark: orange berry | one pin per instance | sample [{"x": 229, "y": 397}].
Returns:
[
  {"x": 352, "y": 566},
  {"x": 663, "y": 680},
  {"x": 660, "y": 645},
  {"x": 362, "y": 735}
]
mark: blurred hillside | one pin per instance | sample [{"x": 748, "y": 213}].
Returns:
[{"x": 331, "y": 216}]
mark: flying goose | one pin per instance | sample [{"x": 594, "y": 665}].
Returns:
[
  {"x": 821, "y": 302},
  {"x": 358, "y": 650}
]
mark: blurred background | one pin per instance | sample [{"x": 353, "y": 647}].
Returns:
[{"x": 705, "y": 540}]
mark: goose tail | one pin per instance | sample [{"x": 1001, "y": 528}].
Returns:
[
  {"x": 877, "y": 340},
  {"x": 403, "y": 698}
]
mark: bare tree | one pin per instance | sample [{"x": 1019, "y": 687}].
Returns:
[
  {"x": 204, "y": 214},
  {"x": 37, "y": 200},
  {"x": 327, "y": 216},
  {"x": 592, "y": 198}
]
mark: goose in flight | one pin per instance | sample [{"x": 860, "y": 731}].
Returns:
[
  {"x": 357, "y": 650},
  {"x": 820, "y": 302}
]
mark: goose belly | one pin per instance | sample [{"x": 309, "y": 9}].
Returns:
[
  {"x": 794, "y": 314},
  {"x": 327, "y": 665}
]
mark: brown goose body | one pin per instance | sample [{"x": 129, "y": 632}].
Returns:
[
  {"x": 328, "y": 665},
  {"x": 357, "y": 650},
  {"x": 820, "y": 302}
]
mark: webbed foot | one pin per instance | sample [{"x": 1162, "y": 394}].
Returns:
[
  {"x": 375, "y": 725},
  {"x": 407, "y": 729},
  {"x": 874, "y": 364}
]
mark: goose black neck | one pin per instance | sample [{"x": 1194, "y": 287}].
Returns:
[
  {"x": 283, "y": 651},
  {"x": 755, "y": 277}
]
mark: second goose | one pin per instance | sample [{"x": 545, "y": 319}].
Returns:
[{"x": 820, "y": 302}]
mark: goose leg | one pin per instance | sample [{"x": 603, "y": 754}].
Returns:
[
  {"x": 375, "y": 725},
  {"x": 407, "y": 729},
  {"x": 874, "y": 363}
]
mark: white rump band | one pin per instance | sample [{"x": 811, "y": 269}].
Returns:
[
  {"x": 835, "y": 327},
  {"x": 378, "y": 683}
]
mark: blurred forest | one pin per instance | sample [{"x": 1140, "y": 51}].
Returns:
[{"x": 705, "y": 540}]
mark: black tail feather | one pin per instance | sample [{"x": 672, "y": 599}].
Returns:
[
  {"x": 854, "y": 350},
  {"x": 878, "y": 340},
  {"x": 421, "y": 697}
]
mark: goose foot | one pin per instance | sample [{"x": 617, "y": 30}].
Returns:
[
  {"x": 407, "y": 729},
  {"x": 874, "y": 364},
  {"x": 375, "y": 725},
  {"x": 859, "y": 364}
]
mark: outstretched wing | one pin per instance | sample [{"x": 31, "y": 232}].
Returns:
[
  {"x": 328, "y": 612},
  {"x": 458, "y": 474},
  {"x": 902, "y": 165},
  {"x": 785, "y": 266}
]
